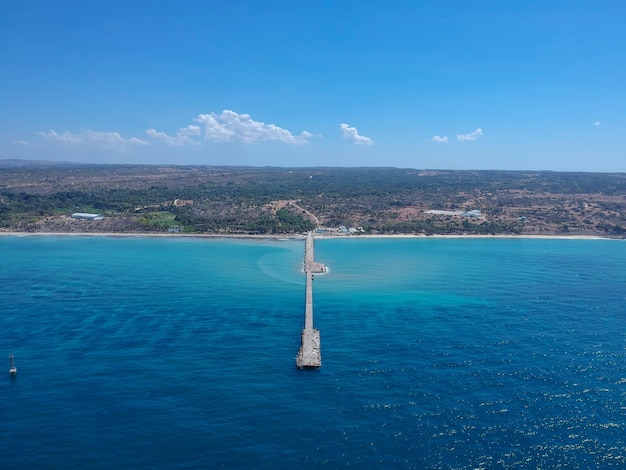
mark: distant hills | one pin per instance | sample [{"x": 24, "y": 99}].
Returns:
[{"x": 17, "y": 162}]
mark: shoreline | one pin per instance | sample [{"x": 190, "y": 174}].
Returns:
[{"x": 296, "y": 236}]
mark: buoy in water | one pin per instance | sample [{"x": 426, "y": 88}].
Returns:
[{"x": 12, "y": 368}]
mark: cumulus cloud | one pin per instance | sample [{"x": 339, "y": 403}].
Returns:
[
  {"x": 596, "y": 124},
  {"x": 185, "y": 135},
  {"x": 352, "y": 134},
  {"x": 89, "y": 137},
  {"x": 230, "y": 127},
  {"x": 442, "y": 140},
  {"x": 470, "y": 136}
]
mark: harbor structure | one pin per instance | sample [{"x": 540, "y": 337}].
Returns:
[{"x": 310, "y": 355}]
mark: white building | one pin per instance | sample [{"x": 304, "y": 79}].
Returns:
[{"x": 86, "y": 216}]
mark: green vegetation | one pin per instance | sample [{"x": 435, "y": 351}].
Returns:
[
  {"x": 157, "y": 221},
  {"x": 196, "y": 199}
]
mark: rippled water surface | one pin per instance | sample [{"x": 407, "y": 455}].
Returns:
[{"x": 437, "y": 353}]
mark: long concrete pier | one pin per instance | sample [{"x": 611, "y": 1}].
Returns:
[{"x": 310, "y": 354}]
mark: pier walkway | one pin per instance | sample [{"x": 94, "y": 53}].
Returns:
[{"x": 310, "y": 354}]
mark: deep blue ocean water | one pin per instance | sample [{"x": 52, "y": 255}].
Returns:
[{"x": 437, "y": 353}]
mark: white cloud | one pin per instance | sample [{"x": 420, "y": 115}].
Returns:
[
  {"x": 184, "y": 136},
  {"x": 443, "y": 140},
  {"x": 470, "y": 136},
  {"x": 351, "y": 134},
  {"x": 162, "y": 136},
  {"x": 89, "y": 137},
  {"x": 596, "y": 124},
  {"x": 21, "y": 142},
  {"x": 230, "y": 127}
]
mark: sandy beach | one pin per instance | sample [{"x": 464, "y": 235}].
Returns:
[{"x": 295, "y": 236}]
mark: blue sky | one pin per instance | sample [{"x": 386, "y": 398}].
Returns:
[{"x": 446, "y": 84}]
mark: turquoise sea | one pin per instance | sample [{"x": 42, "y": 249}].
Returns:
[{"x": 437, "y": 353}]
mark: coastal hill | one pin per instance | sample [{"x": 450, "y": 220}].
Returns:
[{"x": 41, "y": 196}]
